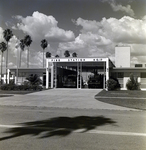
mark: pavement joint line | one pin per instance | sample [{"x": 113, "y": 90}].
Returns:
[
  {"x": 128, "y": 109},
  {"x": 116, "y": 133},
  {"x": 93, "y": 131},
  {"x": 9, "y": 126},
  {"x": 119, "y": 97}
]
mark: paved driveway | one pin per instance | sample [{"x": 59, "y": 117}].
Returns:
[{"x": 62, "y": 98}]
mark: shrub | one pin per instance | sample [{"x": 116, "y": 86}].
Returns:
[
  {"x": 111, "y": 84},
  {"x": 8, "y": 87},
  {"x": 24, "y": 87},
  {"x": 132, "y": 83},
  {"x": 37, "y": 87},
  {"x": 118, "y": 84},
  {"x": 34, "y": 79}
]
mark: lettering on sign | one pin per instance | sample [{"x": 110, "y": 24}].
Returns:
[
  {"x": 55, "y": 60},
  {"x": 97, "y": 59},
  {"x": 76, "y": 59}
]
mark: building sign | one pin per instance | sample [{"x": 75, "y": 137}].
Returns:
[{"x": 76, "y": 59}]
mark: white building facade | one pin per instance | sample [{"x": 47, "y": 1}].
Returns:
[
  {"x": 57, "y": 68},
  {"x": 78, "y": 65},
  {"x": 122, "y": 69}
]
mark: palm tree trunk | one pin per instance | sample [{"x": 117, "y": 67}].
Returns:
[
  {"x": 7, "y": 64},
  {"x": 43, "y": 58},
  {"x": 20, "y": 58},
  {"x": 1, "y": 67},
  {"x": 28, "y": 57}
]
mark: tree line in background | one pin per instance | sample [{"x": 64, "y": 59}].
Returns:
[{"x": 26, "y": 41}]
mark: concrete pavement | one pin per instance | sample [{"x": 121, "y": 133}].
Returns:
[{"x": 62, "y": 98}]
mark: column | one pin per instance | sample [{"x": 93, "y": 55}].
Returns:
[
  {"x": 55, "y": 75},
  {"x": 77, "y": 75},
  {"x": 8, "y": 77},
  {"x": 104, "y": 63},
  {"x": 107, "y": 71},
  {"x": 80, "y": 75},
  {"x": 47, "y": 74},
  {"x": 52, "y": 75}
]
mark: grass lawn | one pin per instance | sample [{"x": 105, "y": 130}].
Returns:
[
  {"x": 5, "y": 95},
  {"x": 15, "y": 92},
  {"x": 131, "y": 99},
  {"x": 11, "y": 92}
]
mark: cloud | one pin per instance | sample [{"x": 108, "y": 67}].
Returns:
[
  {"x": 118, "y": 7},
  {"x": 13, "y": 52},
  {"x": 88, "y": 45},
  {"x": 1, "y": 34},
  {"x": 40, "y": 26},
  {"x": 96, "y": 38},
  {"x": 126, "y": 30},
  {"x": 99, "y": 38}
]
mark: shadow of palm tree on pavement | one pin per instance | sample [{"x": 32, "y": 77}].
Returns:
[{"x": 58, "y": 126}]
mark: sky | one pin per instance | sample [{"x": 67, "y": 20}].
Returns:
[{"x": 91, "y": 28}]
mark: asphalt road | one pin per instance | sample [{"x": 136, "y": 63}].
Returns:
[{"x": 42, "y": 128}]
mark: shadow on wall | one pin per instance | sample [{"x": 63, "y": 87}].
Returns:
[{"x": 59, "y": 126}]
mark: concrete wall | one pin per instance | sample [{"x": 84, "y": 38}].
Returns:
[{"x": 122, "y": 56}]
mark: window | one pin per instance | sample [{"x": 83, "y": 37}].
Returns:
[
  {"x": 117, "y": 74},
  {"x": 120, "y": 75},
  {"x": 114, "y": 74},
  {"x": 138, "y": 65},
  {"x": 143, "y": 75}
]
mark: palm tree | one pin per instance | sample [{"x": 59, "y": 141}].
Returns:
[
  {"x": 3, "y": 47},
  {"x": 66, "y": 53},
  {"x": 44, "y": 44},
  {"x": 56, "y": 55},
  {"x": 34, "y": 79},
  {"x": 7, "y": 36},
  {"x": 48, "y": 54},
  {"x": 74, "y": 54},
  {"x": 22, "y": 46},
  {"x": 27, "y": 41}
]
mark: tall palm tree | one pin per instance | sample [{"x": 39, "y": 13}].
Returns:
[
  {"x": 48, "y": 54},
  {"x": 44, "y": 44},
  {"x": 7, "y": 34},
  {"x": 22, "y": 46},
  {"x": 74, "y": 54},
  {"x": 27, "y": 41},
  {"x": 34, "y": 79},
  {"x": 66, "y": 53},
  {"x": 56, "y": 55},
  {"x": 3, "y": 47}
]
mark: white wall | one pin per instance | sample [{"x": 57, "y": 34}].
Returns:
[{"x": 122, "y": 56}]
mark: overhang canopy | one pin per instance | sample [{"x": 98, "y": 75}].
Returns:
[
  {"x": 28, "y": 70},
  {"x": 128, "y": 69}
]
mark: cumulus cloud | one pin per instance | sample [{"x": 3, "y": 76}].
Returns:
[
  {"x": 118, "y": 7},
  {"x": 126, "y": 29},
  {"x": 99, "y": 38},
  {"x": 88, "y": 44},
  {"x": 1, "y": 34},
  {"x": 96, "y": 38},
  {"x": 13, "y": 52},
  {"x": 40, "y": 26}
]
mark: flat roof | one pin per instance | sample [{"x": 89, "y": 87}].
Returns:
[
  {"x": 128, "y": 69},
  {"x": 76, "y": 59},
  {"x": 90, "y": 61},
  {"x": 135, "y": 68},
  {"x": 31, "y": 70}
]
